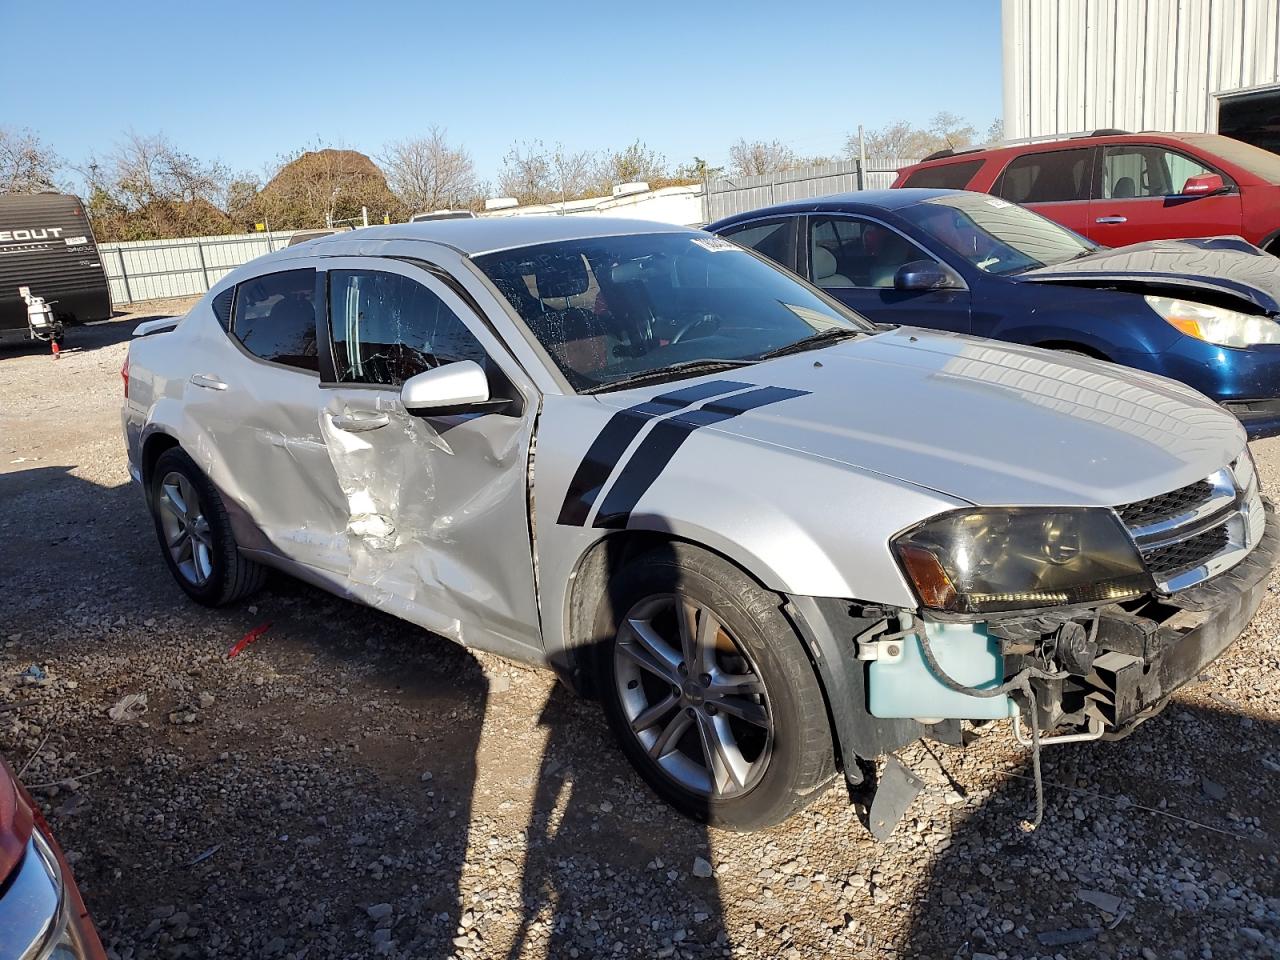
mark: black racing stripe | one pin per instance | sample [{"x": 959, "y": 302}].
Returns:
[
  {"x": 666, "y": 437},
  {"x": 617, "y": 435}
]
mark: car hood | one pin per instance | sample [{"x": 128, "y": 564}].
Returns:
[
  {"x": 1223, "y": 266},
  {"x": 993, "y": 424}
]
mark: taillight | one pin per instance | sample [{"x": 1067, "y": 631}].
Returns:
[{"x": 124, "y": 375}]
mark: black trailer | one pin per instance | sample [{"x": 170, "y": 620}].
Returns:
[{"x": 47, "y": 246}]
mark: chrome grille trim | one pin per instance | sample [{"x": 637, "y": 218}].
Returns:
[{"x": 1228, "y": 522}]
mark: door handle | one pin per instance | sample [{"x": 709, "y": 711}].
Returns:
[
  {"x": 360, "y": 422},
  {"x": 1112, "y": 220},
  {"x": 210, "y": 381}
]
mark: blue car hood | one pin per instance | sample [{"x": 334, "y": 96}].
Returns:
[{"x": 1226, "y": 267}]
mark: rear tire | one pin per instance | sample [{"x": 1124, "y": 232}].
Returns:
[
  {"x": 724, "y": 718},
  {"x": 195, "y": 534}
]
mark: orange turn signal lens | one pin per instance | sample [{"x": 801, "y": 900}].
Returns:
[{"x": 931, "y": 581}]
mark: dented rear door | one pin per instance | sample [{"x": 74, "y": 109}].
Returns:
[{"x": 437, "y": 513}]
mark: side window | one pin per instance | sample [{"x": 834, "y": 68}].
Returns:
[
  {"x": 275, "y": 318},
  {"x": 773, "y": 238},
  {"x": 949, "y": 176},
  {"x": 851, "y": 252},
  {"x": 1137, "y": 171},
  {"x": 387, "y": 328},
  {"x": 222, "y": 307},
  {"x": 1048, "y": 177}
]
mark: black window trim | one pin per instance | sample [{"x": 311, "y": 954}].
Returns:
[
  {"x": 1229, "y": 181},
  {"x": 1094, "y": 173},
  {"x": 230, "y": 332},
  {"x": 853, "y": 215}
]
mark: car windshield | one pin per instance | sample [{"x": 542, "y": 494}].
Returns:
[
  {"x": 615, "y": 309},
  {"x": 995, "y": 235},
  {"x": 1261, "y": 163}
]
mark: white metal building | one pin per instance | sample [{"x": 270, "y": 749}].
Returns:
[{"x": 1073, "y": 66}]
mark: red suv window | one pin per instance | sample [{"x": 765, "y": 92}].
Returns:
[
  {"x": 950, "y": 176},
  {"x": 1046, "y": 177}
]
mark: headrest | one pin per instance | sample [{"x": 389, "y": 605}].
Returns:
[
  {"x": 562, "y": 277},
  {"x": 824, "y": 263}
]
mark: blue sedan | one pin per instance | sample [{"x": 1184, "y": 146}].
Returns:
[{"x": 1200, "y": 311}]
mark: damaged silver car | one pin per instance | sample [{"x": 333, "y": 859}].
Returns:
[{"x": 775, "y": 540}]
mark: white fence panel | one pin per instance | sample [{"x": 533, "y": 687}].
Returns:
[
  {"x": 730, "y": 195},
  {"x": 141, "y": 270}
]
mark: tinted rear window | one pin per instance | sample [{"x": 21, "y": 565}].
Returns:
[
  {"x": 949, "y": 176},
  {"x": 1054, "y": 175},
  {"x": 275, "y": 318}
]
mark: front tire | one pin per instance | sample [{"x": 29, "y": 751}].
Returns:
[
  {"x": 709, "y": 690},
  {"x": 195, "y": 534}
]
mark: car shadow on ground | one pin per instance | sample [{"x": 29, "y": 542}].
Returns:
[
  {"x": 335, "y": 789},
  {"x": 1172, "y": 849},
  {"x": 82, "y": 337}
]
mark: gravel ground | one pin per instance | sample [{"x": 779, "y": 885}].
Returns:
[{"x": 350, "y": 786}]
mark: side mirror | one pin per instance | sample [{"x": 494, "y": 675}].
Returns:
[
  {"x": 924, "y": 275},
  {"x": 459, "y": 387},
  {"x": 1204, "y": 185}
]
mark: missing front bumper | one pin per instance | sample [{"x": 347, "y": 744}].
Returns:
[{"x": 1148, "y": 651}]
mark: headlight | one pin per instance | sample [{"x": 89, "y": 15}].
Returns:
[
  {"x": 1226, "y": 328},
  {"x": 979, "y": 561}
]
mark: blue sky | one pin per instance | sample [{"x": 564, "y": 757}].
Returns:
[{"x": 244, "y": 82}]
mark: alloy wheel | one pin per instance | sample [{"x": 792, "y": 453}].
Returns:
[
  {"x": 692, "y": 697},
  {"x": 186, "y": 530}
]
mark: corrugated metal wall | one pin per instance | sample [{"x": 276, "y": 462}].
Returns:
[
  {"x": 158, "y": 269},
  {"x": 1071, "y": 66}
]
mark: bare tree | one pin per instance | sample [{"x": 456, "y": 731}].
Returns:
[
  {"x": 995, "y": 132},
  {"x": 952, "y": 131},
  {"x": 27, "y": 165},
  {"x": 533, "y": 174},
  {"x": 150, "y": 168},
  {"x": 900, "y": 140},
  {"x": 757, "y": 157},
  {"x": 632, "y": 164},
  {"x": 426, "y": 173}
]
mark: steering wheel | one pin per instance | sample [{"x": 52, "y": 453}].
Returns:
[{"x": 693, "y": 324}]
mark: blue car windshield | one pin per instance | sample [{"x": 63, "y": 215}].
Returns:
[
  {"x": 659, "y": 305},
  {"x": 995, "y": 235}
]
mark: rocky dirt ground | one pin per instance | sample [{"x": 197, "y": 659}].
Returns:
[{"x": 350, "y": 786}]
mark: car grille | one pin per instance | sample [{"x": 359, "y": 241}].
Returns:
[
  {"x": 1197, "y": 531},
  {"x": 1176, "y": 557},
  {"x": 1166, "y": 506}
]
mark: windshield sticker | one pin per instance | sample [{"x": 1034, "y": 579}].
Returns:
[
  {"x": 715, "y": 244},
  {"x": 997, "y": 202}
]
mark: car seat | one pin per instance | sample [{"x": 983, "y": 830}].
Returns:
[
  {"x": 824, "y": 269},
  {"x": 1124, "y": 189}
]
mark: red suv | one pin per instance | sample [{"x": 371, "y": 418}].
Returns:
[{"x": 1121, "y": 188}]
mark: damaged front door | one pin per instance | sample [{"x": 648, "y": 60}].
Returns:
[{"x": 437, "y": 506}]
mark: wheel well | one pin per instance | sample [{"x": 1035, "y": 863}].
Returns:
[
  {"x": 1273, "y": 244},
  {"x": 152, "y": 448},
  {"x": 590, "y": 585},
  {"x": 1070, "y": 346},
  {"x": 605, "y": 557}
]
